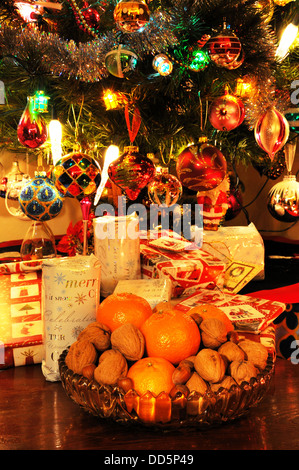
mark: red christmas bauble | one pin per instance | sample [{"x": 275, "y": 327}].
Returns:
[
  {"x": 32, "y": 129},
  {"x": 271, "y": 131},
  {"x": 235, "y": 203},
  {"x": 131, "y": 172},
  {"x": 201, "y": 167},
  {"x": 283, "y": 200},
  {"x": 226, "y": 112},
  {"x": 225, "y": 50},
  {"x": 91, "y": 17}
]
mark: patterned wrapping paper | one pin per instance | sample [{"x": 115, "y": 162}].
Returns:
[
  {"x": 20, "y": 267},
  {"x": 187, "y": 269},
  {"x": 21, "y": 341},
  {"x": 248, "y": 314},
  {"x": 153, "y": 290},
  {"x": 242, "y": 249}
]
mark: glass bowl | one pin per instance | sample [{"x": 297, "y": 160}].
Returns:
[{"x": 195, "y": 410}]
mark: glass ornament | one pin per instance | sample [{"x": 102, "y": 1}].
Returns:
[
  {"x": 40, "y": 200},
  {"x": 38, "y": 243},
  {"x": 289, "y": 154},
  {"x": 283, "y": 200},
  {"x": 292, "y": 116},
  {"x": 225, "y": 49},
  {"x": 131, "y": 16},
  {"x": 226, "y": 112},
  {"x": 121, "y": 61},
  {"x": 91, "y": 16},
  {"x": 201, "y": 167},
  {"x": 164, "y": 189},
  {"x": 76, "y": 175},
  {"x": 32, "y": 128},
  {"x": 271, "y": 131},
  {"x": 131, "y": 171},
  {"x": 162, "y": 64},
  {"x": 14, "y": 182}
]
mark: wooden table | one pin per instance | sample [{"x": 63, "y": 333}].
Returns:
[{"x": 38, "y": 415}]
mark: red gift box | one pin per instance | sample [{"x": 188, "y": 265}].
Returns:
[
  {"x": 187, "y": 267},
  {"x": 247, "y": 313},
  {"x": 20, "y": 316}
]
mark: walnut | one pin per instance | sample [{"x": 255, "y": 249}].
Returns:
[
  {"x": 210, "y": 365},
  {"x": 80, "y": 354},
  {"x": 226, "y": 383},
  {"x": 213, "y": 332},
  {"x": 197, "y": 383},
  {"x": 242, "y": 371},
  {"x": 112, "y": 366},
  {"x": 255, "y": 352},
  {"x": 231, "y": 352},
  {"x": 98, "y": 334},
  {"x": 128, "y": 340}
]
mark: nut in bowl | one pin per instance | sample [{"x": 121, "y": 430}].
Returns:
[{"x": 125, "y": 384}]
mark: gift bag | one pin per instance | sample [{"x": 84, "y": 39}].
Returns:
[
  {"x": 70, "y": 297},
  {"x": 117, "y": 246}
]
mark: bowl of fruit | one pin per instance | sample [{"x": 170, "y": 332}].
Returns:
[{"x": 164, "y": 367}]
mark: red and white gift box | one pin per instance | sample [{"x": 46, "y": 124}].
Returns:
[
  {"x": 20, "y": 316},
  {"x": 187, "y": 267},
  {"x": 247, "y": 313}
]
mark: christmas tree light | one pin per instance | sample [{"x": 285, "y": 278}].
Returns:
[
  {"x": 55, "y": 133},
  {"x": 288, "y": 37}
]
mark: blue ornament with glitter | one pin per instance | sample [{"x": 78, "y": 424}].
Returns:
[{"x": 40, "y": 199}]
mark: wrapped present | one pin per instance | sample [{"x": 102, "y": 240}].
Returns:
[
  {"x": 21, "y": 330},
  {"x": 20, "y": 266},
  {"x": 187, "y": 266},
  {"x": 153, "y": 290},
  {"x": 70, "y": 297},
  {"x": 287, "y": 323},
  {"x": 247, "y": 313},
  {"x": 242, "y": 249}
]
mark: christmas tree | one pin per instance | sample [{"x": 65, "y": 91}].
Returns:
[{"x": 160, "y": 75}]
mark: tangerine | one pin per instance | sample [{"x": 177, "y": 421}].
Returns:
[
  {"x": 121, "y": 308},
  {"x": 152, "y": 374},
  {"x": 171, "y": 334},
  {"x": 211, "y": 311}
]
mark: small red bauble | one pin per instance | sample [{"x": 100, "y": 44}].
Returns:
[
  {"x": 92, "y": 17},
  {"x": 32, "y": 128},
  {"x": 131, "y": 172},
  {"x": 235, "y": 204},
  {"x": 226, "y": 112},
  {"x": 225, "y": 50},
  {"x": 201, "y": 167}
]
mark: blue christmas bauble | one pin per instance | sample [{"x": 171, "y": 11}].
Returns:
[{"x": 40, "y": 199}]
